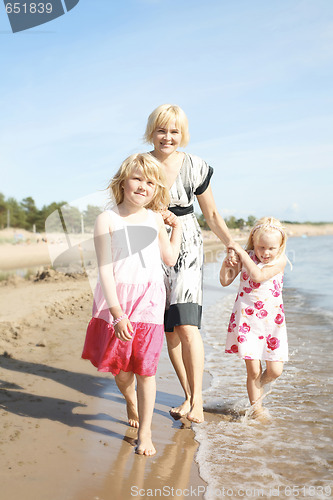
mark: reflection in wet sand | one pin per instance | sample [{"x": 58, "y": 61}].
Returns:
[{"x": 129, "y": 475}]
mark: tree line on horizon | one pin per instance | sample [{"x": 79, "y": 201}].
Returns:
[{"x": 25, "y": 215}]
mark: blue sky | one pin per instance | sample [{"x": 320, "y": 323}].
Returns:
[{"x": 254, "y": 77}]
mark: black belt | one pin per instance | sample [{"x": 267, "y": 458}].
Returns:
[{"x": 179, "y": 211}]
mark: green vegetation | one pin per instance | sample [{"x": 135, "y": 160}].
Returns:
[
  {"x": 26, "y": 215},
  {"x": 231, "y": 222}
]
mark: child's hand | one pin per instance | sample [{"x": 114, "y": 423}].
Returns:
[
  {"x": 227, "y": 262},
  {"x": 122, "y": 330},
  {"x": 170, "y": 218},
  {"x": 232, "y": 259}
]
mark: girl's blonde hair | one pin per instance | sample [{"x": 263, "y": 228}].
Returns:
[
  {"x": 162, "y": 116},
  {"x": 151, "y": 170},
  {"x": 264, "y": 225}
]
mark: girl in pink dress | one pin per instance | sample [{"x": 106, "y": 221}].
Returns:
[
  {"x": 257, "y": 329},
  {"x": 125, "y": 334}
]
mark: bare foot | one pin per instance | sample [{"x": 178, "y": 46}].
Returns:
[
  {"x": 132, "y": 415},
  {"x": 196, "y": 414},
  {"x": 181, "y": 411},
  {"x": 145, "y": 446},
  {"x": 261, "y": 414}
]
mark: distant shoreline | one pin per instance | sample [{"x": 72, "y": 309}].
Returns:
[
  {"x": 212, "y": 244},
  {"x": 23, "y": 249}
]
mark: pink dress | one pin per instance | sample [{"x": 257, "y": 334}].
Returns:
[
  {"x": 140, "y": 290},
  {"x": 257, "y": 327}
]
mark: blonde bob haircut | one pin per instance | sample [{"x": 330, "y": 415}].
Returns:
[
  {"x": 151, "y": 170},
  {"x": 264, "y": 225},
  {"x": 162, "y": 116}
]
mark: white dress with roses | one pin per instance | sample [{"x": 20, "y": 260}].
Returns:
[{"x": 257, "y": 327}]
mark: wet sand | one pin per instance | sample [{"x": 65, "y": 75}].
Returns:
[
  {"x": 64, "y": 432},
  {"x": 64, "y": 429}
]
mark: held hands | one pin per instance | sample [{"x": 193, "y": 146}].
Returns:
[
  {"x": 231, "y": 265},
  {"x": 232, "y": 258}
]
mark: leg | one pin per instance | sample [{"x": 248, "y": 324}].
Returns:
[
  {"x": 253, "y": 384},
  {"x": 176, "y": 358},
  {"x": 126, "y": 384},
  {"x": 146, "y": 401},
  {"x": 272, "y": 372},
  {"x": 193, "y": 359}
]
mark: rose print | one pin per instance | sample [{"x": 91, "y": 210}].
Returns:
[
  {"x": 253, "y": 284},
  {"x": 261, "y": 337},
  {"x": 279, "y": 319},
  {"x": 245, "y": 276},
  {"x": 259, "y": 304},
  {"x": 234, "y": 348},
  {"x": 232, "y": 323},
  {"x": 249, "y": 311},
  {"x": 254, "y": 258},
  {"x": 241, "y": 339},
  {"x": 277, "y": 289},
  {"x": 244, "y": 328},
  {"x": 247, "y": 289},
  {"x": 282, "y": 308},
  {"x": 272, "y": 343},
  {"x": 261, "y": 314}
]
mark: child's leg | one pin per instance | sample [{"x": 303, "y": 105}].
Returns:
[
  {"x": 126, "y": 384},
  {"x": 254, "y": 372},
  {"x": 146, "y": 402},
  {"x": 272, "y": 372}
]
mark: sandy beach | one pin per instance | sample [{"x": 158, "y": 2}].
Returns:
[{"x": 64, "y": 432}]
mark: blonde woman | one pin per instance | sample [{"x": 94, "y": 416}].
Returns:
[
  {"x": 257, "y": 328},
  {"x": 188, "y": 176}
]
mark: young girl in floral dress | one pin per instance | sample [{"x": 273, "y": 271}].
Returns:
[
  {"x": 125, "y": 335},
  {"x": 257, "y": 329}
]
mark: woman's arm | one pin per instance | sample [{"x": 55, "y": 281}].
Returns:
[
  {"x": 213, "y": 218},
  {"x": 102, "y": 241},
  {"x": 256, "y": 274},
  {"x": 228, "y": 273},
  {"x": 169, "y": 248}
]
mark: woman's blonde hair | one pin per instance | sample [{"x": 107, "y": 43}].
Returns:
[
  {"x": 264, "y": 225},
  {"x": 151, "y": 170},
  {"x": 162, "y": 116}
]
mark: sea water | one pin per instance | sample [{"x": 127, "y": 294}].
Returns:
[{"x": 290, "y": 455}]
